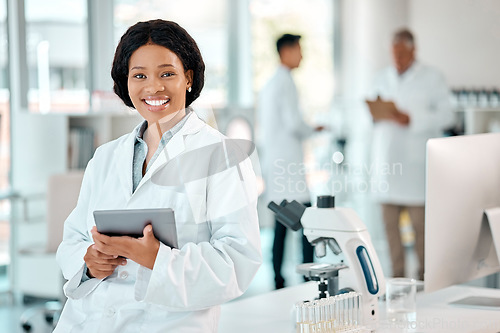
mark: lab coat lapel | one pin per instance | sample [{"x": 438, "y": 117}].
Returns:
[
  {"x": 124, "y": 157},
  {"x": 174, "y": 147},
  {"x": 411, "y": 72}
]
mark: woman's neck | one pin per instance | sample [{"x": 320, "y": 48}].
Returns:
[{"x": 156, "y": 129}]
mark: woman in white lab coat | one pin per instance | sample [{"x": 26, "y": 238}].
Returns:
[{"x": 172, "y": 160}]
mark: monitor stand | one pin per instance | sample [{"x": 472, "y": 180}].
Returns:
[
  {"x": 492, "y": 217},
  {"x": 478, "y": 302}
]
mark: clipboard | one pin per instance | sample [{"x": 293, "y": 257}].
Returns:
[{"x": 381, "y": 110}]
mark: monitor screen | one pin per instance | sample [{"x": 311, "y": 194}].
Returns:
[{"x": 463, "y": 180}]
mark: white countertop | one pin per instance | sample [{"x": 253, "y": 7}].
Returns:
[{"x": 272, "y": 312}]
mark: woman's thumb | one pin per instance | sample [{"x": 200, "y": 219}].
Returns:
[{"x": 148, "y": 230}]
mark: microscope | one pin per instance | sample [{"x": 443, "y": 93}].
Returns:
[{"x": 341, "y": 230}]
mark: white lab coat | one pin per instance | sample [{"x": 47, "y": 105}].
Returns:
[
  {"x": 281, "y": 131},
  {"x": 397, "y": 172},
  {"x": 217, "y": 229}
]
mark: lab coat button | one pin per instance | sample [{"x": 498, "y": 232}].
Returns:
[
  {"x": 124, "y": 275},
  {"x": 110, "y": 312}
]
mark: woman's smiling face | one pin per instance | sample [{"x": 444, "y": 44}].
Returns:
[{"x": 157, "y": 82}]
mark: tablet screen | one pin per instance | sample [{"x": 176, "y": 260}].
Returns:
[{"x": 131, "y": 222}]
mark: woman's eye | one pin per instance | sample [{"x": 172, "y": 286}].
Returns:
[
  {"x": 167, "y": 74},
  {"x": 140, "y": 76}
]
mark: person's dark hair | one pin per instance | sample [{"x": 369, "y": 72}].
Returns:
[
  {"x": 286, "y": 40},
  {"x": 164, "y": 33},
  {"x": 404, "y": 35}
]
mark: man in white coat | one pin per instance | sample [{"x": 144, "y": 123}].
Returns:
[
  {"x": 281, "y": 132},
  {"x": 422, "y": 111}
]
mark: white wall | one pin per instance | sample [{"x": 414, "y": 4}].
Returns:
[
  {"x": 368, "y": 26},
  {"x": 38, "y": 150},
  {"x": 460, "y": 37}
]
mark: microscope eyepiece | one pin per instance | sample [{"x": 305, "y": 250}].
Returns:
[
  {"x": 325, "y": 201},
  {"x": 288, "y": 213},
  {"x": 274, "y": 207}
]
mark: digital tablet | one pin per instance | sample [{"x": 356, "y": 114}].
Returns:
[{"x": 131, "y": 222}]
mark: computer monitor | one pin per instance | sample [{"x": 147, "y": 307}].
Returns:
[{"x": 463, "y": 180}]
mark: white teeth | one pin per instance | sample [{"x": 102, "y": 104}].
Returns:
[{"x": 156, "y": 102}]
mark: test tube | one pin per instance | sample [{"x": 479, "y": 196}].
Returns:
[
  {"x": 355, "y": 310},
  {"x": 347, "y": 310},
  {"x": 360, "y": 309},
  {"x": 303, "y": 317},
  {"x": 309, "y": 325},
  {"x": 299, "y": 314},
  {"x": 345, "y": 300},
  {"x": 350, "y": 307},
  {"x": 343, "y": 311},
  {"x": 336, "y": 314},
  {"x": 330, "y": 315},
  {"x": 338, "y": 319},
  {"x": 318, "y": 315}
]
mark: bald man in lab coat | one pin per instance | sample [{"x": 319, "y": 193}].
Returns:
[
  {"x": 421, "y": 111},
  {"x": 281, "y": 131}
]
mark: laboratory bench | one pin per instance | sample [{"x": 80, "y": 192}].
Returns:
[{"x": 273, "y": 312}]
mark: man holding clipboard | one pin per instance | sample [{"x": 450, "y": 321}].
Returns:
[{"x": 409, "y": 105}]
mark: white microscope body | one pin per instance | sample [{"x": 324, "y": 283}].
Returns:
[{"x": 343, "y": 232}]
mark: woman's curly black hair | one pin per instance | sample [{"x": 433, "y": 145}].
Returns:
[{"x": 164, "y": 33}]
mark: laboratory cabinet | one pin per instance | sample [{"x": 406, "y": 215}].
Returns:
[{"x": 42, "y": 146}]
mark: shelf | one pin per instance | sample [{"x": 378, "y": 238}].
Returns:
[
  {"x": 478, "y": 109},
  {"x": 481, "y": 120},
  {"x": 102, "y": 127}
]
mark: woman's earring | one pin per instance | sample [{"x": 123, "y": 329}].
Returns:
[{"x": 189, "y": 89}]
